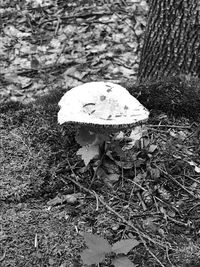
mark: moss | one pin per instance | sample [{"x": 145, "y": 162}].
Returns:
[
  {"x": 179, "y": 96},
  {"x": 33, "y": 143}
]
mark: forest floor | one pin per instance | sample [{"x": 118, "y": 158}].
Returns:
[{"x": 47, "y": 198}]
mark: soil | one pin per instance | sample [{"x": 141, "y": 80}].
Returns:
[{"x": 157, "y": 192}]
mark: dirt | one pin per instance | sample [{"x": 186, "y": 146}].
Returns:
[{"x": 159, "y": 194}]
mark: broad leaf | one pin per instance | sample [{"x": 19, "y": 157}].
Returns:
[
  {"x": 87, "y": 153},
  {"x": 98, "y": 248},
  {"x": 95, "y": 242},
  {"x": 124, "y": 246},
  {"x": 90, "y": 257},
  {"x": 123, "y": 262}
]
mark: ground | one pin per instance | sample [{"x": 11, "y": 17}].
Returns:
[{"x": 48, "y": 199}]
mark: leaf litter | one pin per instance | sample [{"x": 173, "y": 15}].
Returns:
[{"x": 35, "y": 46}]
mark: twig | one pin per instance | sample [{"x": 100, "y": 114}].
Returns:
[
  {"x": 95, "y": 195},
  {"x": 77, "y": 16},
  {"x": 177, "y": 222},
  {"x": 177, "y": 182},
  {"x": 141, "y": 201},
  {"x": 57, "y": 26},
  {"x": 62, "y": 50},
  {"x": 3, "y": 257},
  {"x": 141, "y": 235},
  {"x": 193, "y": 179}
]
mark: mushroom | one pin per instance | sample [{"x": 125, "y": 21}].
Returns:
[{"x": 100, "y": 108}]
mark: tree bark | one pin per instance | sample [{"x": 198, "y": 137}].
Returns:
[{"x": 172, "y": 40}]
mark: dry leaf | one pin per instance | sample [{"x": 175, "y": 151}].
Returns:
[
  {"x": 152, "y": 148},
  {"x": 196, "y": 167}
]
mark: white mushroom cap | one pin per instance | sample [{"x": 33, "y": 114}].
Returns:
[{"x": 101, "y": 105}]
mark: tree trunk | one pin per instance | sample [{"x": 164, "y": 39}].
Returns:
[{"x": 172, "y": 40}]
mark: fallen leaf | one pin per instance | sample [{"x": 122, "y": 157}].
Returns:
[
  {"x": 124, "y": 246},
  {"x": 123, "y": 262},
  {"x": 150, "y": 225},
  {"x": 155, "y": 173},
  {"x": 11, "y": 31},
  {"x": 108, "y": 179},
  {"x": 70, "y": 198},
  {"x": 152, "y": 148},
  {"x": 88, "y": 153},
  {"x": 196, "y": 168}
]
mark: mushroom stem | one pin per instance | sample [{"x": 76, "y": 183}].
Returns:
[{"x": 102, "y": 149}]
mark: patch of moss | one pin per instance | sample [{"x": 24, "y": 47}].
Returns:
[
  {"x": 32, "y": 144},
  {"x": 178, "y": 96}
]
